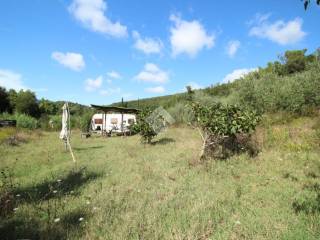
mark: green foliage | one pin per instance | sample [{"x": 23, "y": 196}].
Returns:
[
  {"x": 13, "y": 99},
  {"x": 308, "y": 200},
  {"x": 181, "y": 113},
  {"x": 85, "y": 121},
  {"x": 270, "y": 93},
  {"x": 190, "y": 93},
  {"x": 26, "y": 103},
  {"x": 290, "y": 85},
  {"x": 224, "y": 120},
  {"x": 143, "y": 127},
  {"x": 4, "y": 100},
  {"x": 295, "y": 61},
  {"x": 7, "y": 187},
  {"x": 226, "y": 129},
  {"x": 55, "y": 122},
  {"x": 154, "y": 189},
  {"x": 47, "y": 107},
  {"x": 25, "y": 121},
  {"x": 219, "y": 90}
]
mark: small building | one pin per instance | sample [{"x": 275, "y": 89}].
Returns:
[{"x": 113, "y": 119}]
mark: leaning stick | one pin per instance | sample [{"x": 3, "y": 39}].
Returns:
[{"x": 70, "y": 148}]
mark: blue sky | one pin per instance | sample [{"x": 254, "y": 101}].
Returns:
[{"x": 97, "y": 51}]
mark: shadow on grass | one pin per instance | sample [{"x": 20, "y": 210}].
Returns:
[
  {"x": 308, "y": 201},
  {"x": 23, "y": 226},
  {"x": 55, "y": 188},
  {"x": 163, "y": 141},
  {"x": 87, "y": 148}
]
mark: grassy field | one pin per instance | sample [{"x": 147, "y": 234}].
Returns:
[{"x": 121, "y": 189}]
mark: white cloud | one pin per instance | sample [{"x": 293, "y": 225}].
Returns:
[
  {"x": 233, "y": 47},
  {"x": 93, "y": 84},
  {"x": 114, "y": 75},
  {"x": 189, "y": 37},
  {"x": 259, "y": 18},
  {"x": 91, "y": 13},
  {"x": 281, "y": 32},
  {"x": 11, "y": 80},
  {"x": 237, "y": 74},
  {"x": 158, "y": 89},
  {"x": 74, "y": 61},
  {"x": 110, "y": 91},
  {"x": 152, "y": 73},
  {"x": 147, "y": 45}
]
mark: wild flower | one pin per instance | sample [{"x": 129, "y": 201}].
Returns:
[
  {"x": 88, "y": 202},
  {"x": 81, "y": 219},
  {"x": 57, "y": 220},
  {"x": 55, "y": 191},
  {"x": 237, "y": 222},
  {"x": 59, "y": 180},
  {"x": 18, "y": 195},
  {"x": 15, "y": 209}
]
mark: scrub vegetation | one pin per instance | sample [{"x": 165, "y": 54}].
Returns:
[{"x": 121, "y": 189}]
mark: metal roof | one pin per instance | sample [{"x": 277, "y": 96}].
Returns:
[{"x": 107, "y": 109}]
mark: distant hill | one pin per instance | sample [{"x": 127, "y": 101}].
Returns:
[{"x": 218, "y": 91}]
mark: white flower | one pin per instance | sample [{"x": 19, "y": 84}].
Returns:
[
  {"x": 57, "y": 220},
  {"x": 95, "y": 208},
  {"x": 59, "y": 180},
  {"x": 55, "y": 191},
  {"x": 88, "y": 202},
  {"x": 237, "y": 222},
  {"x": 15, "y": 209},
  {"x": 18, "y": 195},
  {"x": 81, "y": 219}
]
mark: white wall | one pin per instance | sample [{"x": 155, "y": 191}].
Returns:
[{"x": 106, "y": 121}]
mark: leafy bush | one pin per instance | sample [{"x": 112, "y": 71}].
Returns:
[
  {"x": 298, "y": 93},
  {"x": 55, "y": 122},
  {"x": 181, "y": 113},
  {"x": 25, "y": 121},
  {"x": 26, "y": 103},
  {"x": 85, "y": 121},
  {"x": 225, "y": 129},
  {"x": 143, "y": 127}
]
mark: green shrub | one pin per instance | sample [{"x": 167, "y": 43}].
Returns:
[
  {"x": 225, "y": 129},
  {"x": 143, "y": 127},
  {"x": 25, "y": 121},
  {"x": 55, "y": 122},
  {"x": 85, "y": 121},
  {"x": 181, "y": 113},
  {"x": 297, "y": 93}
]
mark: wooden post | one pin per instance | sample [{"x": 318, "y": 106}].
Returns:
[{"x": 122, "y": 122}]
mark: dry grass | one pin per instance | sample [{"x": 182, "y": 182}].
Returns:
[{"x": 131, "y": 191}]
